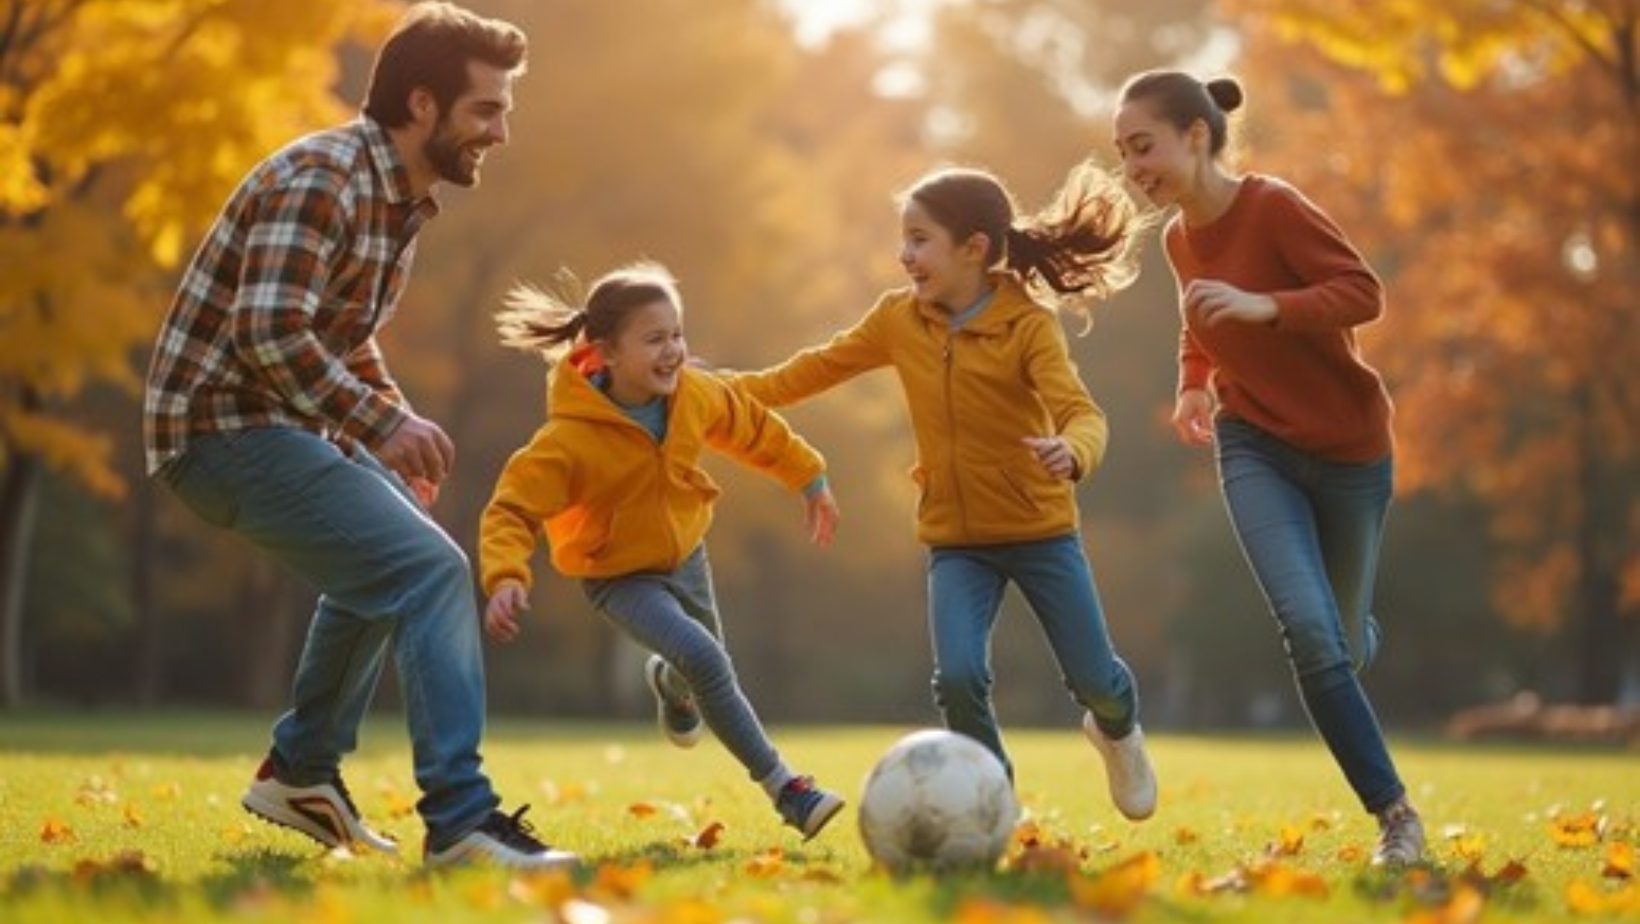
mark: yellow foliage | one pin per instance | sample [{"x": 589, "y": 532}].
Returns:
[{"x": 125, "y": 125}]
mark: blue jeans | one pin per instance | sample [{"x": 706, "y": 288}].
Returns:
[
  {"x": 965, "y": 589},
  {"x": 675, "y": 616},
  {"x": 1310, "y": 529},
  {"x": 390, "y": 582}
]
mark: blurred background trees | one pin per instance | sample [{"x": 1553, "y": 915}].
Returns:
[{"x": 1482, "y": 154}]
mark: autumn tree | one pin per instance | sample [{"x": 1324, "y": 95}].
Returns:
[
  {"x": 123, "y": 124},
  {"x": 1486, "y": 152}
]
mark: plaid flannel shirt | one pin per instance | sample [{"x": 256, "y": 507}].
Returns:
[{"x": 274, "y": 322}]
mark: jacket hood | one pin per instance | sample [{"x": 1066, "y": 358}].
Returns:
[{"x": 570, "y": 392}]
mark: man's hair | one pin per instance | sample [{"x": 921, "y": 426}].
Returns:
[{"x": 430, "y": 49}]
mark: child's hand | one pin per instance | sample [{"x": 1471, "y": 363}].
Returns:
[
  {"x": 425, "y": 490},
  {"x": 501, "y": 614},
  {"x": 1054, "y": 454},
  {"x": 820, "y": 516}
]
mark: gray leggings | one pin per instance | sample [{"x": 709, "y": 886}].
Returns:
[{"x": 675, "y": 615}]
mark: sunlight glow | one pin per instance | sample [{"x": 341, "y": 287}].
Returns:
[{"x": 898, "y": 23}]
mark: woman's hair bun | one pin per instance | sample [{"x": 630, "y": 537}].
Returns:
[{"x": 1225, "y": 92}]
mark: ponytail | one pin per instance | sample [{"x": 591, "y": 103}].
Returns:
[
  {"x": 540, "y": 321},
  {"x": 1082, "y": 243}
]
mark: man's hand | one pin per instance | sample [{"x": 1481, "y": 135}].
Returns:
[{"x": 418, "y": 449}]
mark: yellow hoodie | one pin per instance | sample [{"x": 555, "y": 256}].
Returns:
[
  {"x": 613, "y": 501},
  {"x": 974, "y": 395}
]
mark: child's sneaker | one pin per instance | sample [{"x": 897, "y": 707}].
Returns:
[
  {"x": 1400, "y": 836},
  {"x": 679, "y": 718},
  {"x": 324, "y": 812},
  {"x": 1132, "y": 781},
  {"x": 501, "y": 840},
  {"x": 806, "y": 806}
]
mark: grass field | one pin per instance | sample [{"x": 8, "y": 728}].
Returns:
[{"x": 135, "y": 818}]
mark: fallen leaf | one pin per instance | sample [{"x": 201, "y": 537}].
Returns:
[
  {"x": 1585, "y": 898},
  {"x": 1464, "y": 907},
  {"x": 1289, "y": 843},
  {"x": 708, "y": 836},
  {"x": 1619, "y": 861},
  {"x": 1279, "y": 880},
  {"x": 769, "y": 863},
  {"x": 1576, "y": 831},
  {"x": 641, "y": 810},
  {"x": 621, "y": 881},
  {"x": 56, "y": 832},
  {"x": 1116, "y": 891},
  {"x": 1471, "y": 847}
]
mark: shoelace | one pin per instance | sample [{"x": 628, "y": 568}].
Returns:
[{"x": 514, "y": 831}]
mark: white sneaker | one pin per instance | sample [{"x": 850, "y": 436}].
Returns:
[
  {"x": 501, "y": 840},
  {"x": 1132, "y": 781},
  {"x": 324, "y": 812}
]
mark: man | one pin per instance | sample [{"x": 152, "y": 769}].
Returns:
[{"x": 270, "y": 412}]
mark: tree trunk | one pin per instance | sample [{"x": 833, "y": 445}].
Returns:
[
  {"x": 149, "y": 679},
  {"x": 1603, "y": 504},
  {"x": 19, "y": 495}
]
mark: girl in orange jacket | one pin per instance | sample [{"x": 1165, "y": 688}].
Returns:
[
  {"x": 613, "y": 480},
  {"x": 1004, "y": 429}
]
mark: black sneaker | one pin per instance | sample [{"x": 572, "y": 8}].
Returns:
[
  {"x": 679, "y": 719},
  {"x": 324, "y": 812},
  {"x": 806, "y": 806},
  {"x": 502, "y": 840}
]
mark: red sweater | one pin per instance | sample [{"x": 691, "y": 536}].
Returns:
[{"x": 1301, "y": 377}]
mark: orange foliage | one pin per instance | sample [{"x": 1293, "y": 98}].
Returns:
[{"x": 1482, "y": 154}]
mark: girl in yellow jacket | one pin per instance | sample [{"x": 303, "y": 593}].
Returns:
[
  {"x": 612, "y": 479},
  {"x": 1004, "y": 428}
]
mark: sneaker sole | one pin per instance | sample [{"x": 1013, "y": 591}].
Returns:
[
  {"x": 473, "y": 855},
  {"x": 652, "y": 678},
  {"x": 319, "y": 824},
  {"x": 823, "y": 814}
]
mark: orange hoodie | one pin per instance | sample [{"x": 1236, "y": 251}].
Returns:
[
  {"x": 974, "y": 396},
  {"x": 613, "y": 501}
]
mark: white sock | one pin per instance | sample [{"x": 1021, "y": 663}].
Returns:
[{"x": 776, "y": 780}]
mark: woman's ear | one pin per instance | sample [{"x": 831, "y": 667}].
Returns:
[{"x": 1201, "y": 137}]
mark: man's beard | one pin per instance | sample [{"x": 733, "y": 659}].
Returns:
[{"x": 445, "y": 155}]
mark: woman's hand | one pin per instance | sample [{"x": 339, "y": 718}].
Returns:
[
  {"x": 1212, "y": 301},
  {"x": 1193, "y": 417}
]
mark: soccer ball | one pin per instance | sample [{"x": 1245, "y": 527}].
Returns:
[{"x": 936, "y": 801}]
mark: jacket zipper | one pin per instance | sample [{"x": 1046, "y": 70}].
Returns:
[{"x": 951, "y": 430}]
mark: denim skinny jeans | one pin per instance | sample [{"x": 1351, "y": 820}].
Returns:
[
  {"x": 965, "y": 590},
  {"x": 390, "y": 582},
  {"x": 675, "y": 615},
  {"x": 1310, "y": 530}
]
